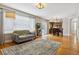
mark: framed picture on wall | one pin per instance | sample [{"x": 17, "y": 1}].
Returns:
[{"x": 10, "y": 14}]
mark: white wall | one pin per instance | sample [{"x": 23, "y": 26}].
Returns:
[
  {"x": 23, "y": 22},
  {"x": 78, "y": 28},
  {"x": 66, "y": 26},
  {"x": 74, "y": 25},
  {"x": 20, "y": 23},
  {"x": 8, "y": 25},
  {"x": 44, "y": 27},
  {"x": 1, "y": 26}
]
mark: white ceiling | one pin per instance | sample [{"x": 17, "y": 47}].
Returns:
[{"x": 52, "y": 9}]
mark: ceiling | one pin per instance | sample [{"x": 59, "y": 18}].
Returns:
[{"x": 52, "y": 10}]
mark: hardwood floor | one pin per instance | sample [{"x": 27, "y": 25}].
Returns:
[
  {"x": 6, "y": 45},
  {"x": 69, "y": 46}
]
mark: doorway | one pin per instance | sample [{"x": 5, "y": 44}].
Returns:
[
  {"x": 56, "y": 28},
  {"x": 74, "y": 30}
]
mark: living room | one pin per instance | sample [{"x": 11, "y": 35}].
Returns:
[{"x": 29, "y": 24}]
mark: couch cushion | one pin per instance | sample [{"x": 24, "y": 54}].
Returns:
[
  {"x": 22, "y": 36},
  {"x": 26, "y": 36},
  {"x": 30, "y": 35},
  {"x": 22, "y": 32}
]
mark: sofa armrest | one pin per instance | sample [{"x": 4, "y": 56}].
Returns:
[
  {"x": 15, "y": 36},
  {"x": 32, "y": 33}
]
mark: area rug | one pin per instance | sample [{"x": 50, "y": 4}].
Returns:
[{"x": 36, "y": 47}]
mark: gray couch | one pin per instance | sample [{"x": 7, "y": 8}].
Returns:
[{"x": 23, "y": 35}]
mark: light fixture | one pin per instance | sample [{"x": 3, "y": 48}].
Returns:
[{"x": 40, "y": 5}]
